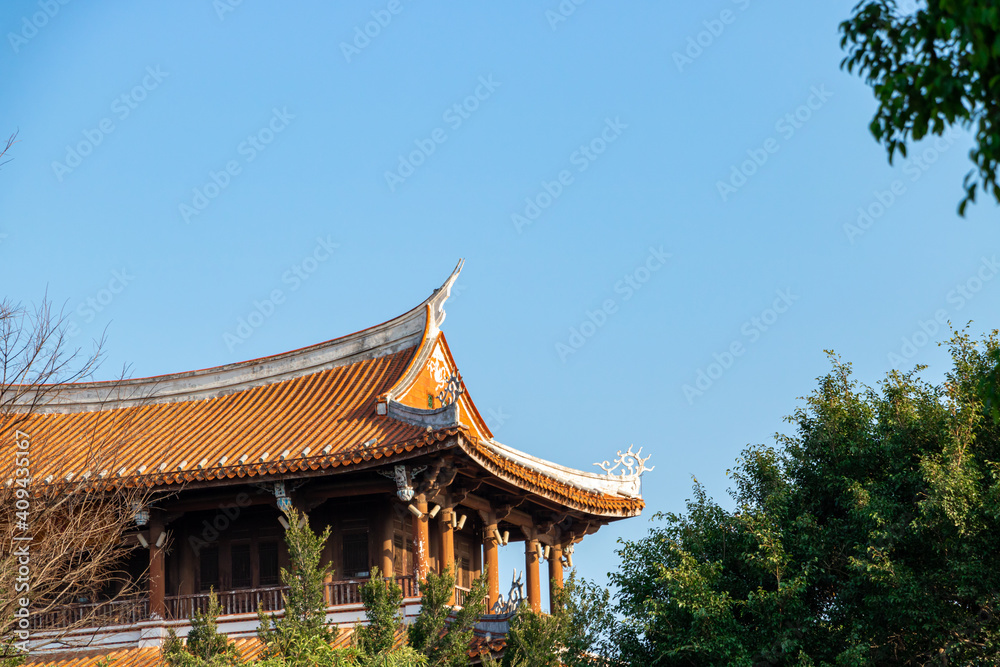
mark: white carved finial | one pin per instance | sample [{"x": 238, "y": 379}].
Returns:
[
  {"x": 441, "y": 295},
  {"x": 632, "y": 463}
]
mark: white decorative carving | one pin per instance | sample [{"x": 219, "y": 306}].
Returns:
[
  {"x": 438, "y": 367},
  {"x": 632, "y": 462},
  {"x": 437, "y": 301},
  {"x": 404, "y": 480},
  {"x": 452, "y": 390},
  {"x": 515, "y": 597},
  {"x": 281, "y": 497},
  {"x": 632, "y": 465}
]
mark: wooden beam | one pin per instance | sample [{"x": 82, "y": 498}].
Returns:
[
  {"x": 362, "y": 488},
  {"x": 514, "y": 516}
]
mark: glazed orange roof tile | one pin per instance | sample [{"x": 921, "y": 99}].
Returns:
[{"x": 389, "y": 392}]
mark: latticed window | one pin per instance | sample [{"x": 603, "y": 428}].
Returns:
[
  {"x": 356, "y": 554},
  {"x": 354, "y": 544},
  {"x": 402, "y": 546},
  {"x": 242, "y": 566},
  {"x": 267, "y": 553},
  {"x": 398, "y": 550},
  {"x": 464, "y": 572},
  {"x": 208, "y": 568}
]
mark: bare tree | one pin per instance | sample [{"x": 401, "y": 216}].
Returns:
[
  {"x": 64, "y": 512},
  {"x": 11, "y": 140}
]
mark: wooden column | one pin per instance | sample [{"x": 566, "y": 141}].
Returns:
[
  {"x": 533, "y": 579},
  {"x": 477, "y": 558},
  {"x": 385, "y": 539},
  {"x": 421, "y": 540},
  {"x": 492, "y": 557},
  {"x": 448, "y": 548},
  {"x": 326, "y": 558},
  {"x": 187, "y": 566},
  {"x": 157, "y": 574},
  {"x": 555, "y": 575}
]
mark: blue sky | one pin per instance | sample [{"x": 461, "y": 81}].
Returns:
[{"x": 639, "y": 191}]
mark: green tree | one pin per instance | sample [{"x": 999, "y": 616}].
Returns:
[
  {"x": 446, "y": 642},
  {"x": 574, "y": 634},
  {"x": 867, "y": 538},
  {"x": 404, "y": 656},
  {"x": 931, "y": 69},
  {"x": 204, "y": 647},
  {"x": 301, "y": 637},
  {"x": 382, "y": 599}
]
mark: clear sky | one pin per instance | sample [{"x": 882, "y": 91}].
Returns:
[{"x": 639, "y": 190}]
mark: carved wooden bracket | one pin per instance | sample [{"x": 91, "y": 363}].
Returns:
[{"x": 458, "y": 496}]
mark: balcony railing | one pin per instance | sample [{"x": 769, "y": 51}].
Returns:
[
  {"x": 246, "y": 601},
  {"x": 461, "y": 593},
  {"x": 348, "y": 591},
  {"x": 97, "y": 614},
  {"x": 242, "y": 601}
]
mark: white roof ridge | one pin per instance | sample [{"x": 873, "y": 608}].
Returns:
[{"x": 397, "y": 334}]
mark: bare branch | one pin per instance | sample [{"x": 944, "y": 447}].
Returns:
[
  {"x": 11, "y": 140},
  {"x": 81, "y": 525}
]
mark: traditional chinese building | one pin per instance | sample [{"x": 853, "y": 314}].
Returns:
[{"x": 374, "y": 434}]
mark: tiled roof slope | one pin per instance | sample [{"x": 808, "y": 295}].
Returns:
[
  {"x": 383, "y": 392},
  {"x": 151, "y": 656},
  {"x": 317, "y": 416}
]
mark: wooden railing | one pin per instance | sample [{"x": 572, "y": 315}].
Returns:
[
  {"x": 243, "y": 601},
  {"x": 411, "y": 589},
  {"x": 348, "y": 591},
  {"x": 462, "y": 596},
  {"x": 461, "y": 593},
  {"x": 344, "y": 591},
  {"x": 96, "y": 614}
]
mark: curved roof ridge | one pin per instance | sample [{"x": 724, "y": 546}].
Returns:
[
  {"x": 618, "y": 485},
  {"x": 397, "y": 334}
]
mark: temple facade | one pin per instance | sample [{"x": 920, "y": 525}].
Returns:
[{"x": 374, "y": 434}]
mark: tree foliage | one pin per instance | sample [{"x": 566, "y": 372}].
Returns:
[
  {"x": 301, "y": 637},
  {"x": 930, "y": 69},
  {"x": 382, "y": 599},
  {"x": 574, "y": 634},
  {"x": 445, "y": 641},
  {"x": 205, "y": 646},
  {"x": 867, "y": 538}
]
